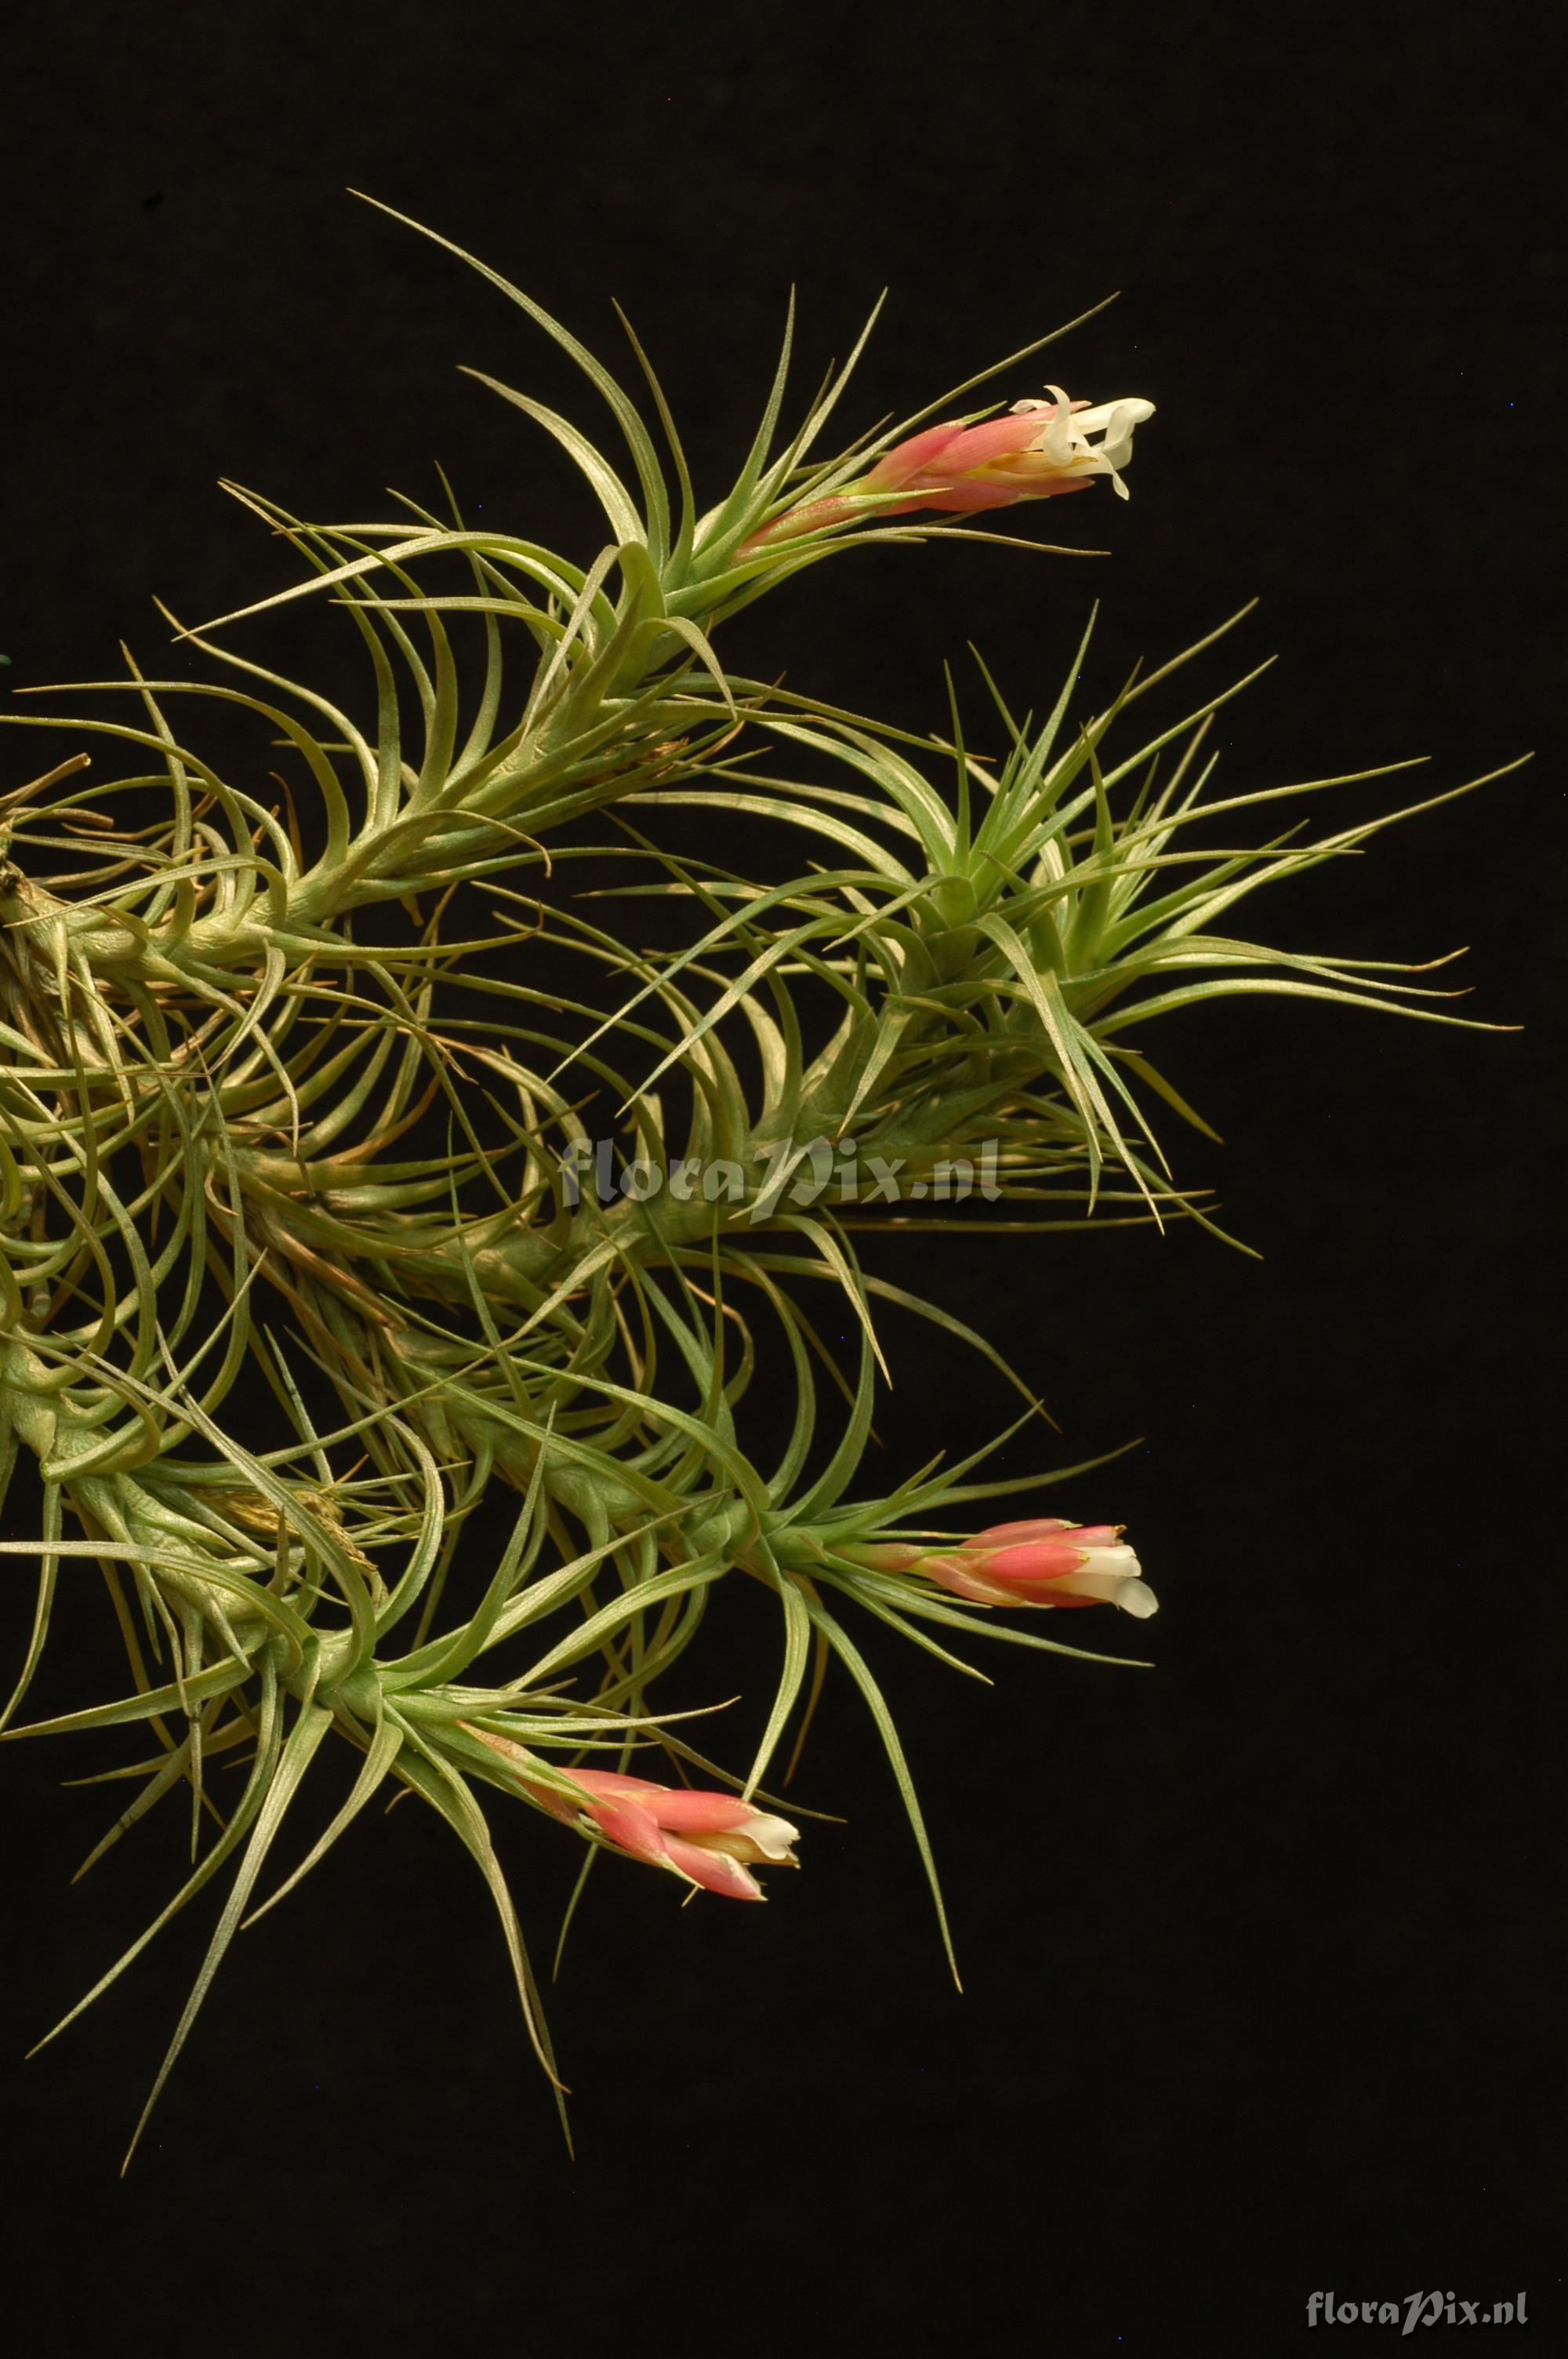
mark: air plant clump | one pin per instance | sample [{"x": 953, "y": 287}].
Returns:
[{"x": 389, "y": 1244}]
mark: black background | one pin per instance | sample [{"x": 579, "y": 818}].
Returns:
[{"x": 1255, "y": 1943}]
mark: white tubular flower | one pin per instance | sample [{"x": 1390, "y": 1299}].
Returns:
[{"x": 1066, "y": 439}]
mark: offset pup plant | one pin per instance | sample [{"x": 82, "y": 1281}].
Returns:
[{"x": 305, "y": 1119}]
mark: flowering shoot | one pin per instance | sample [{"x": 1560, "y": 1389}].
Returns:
[
  {"x": 711, "y": 1839},
  {"x": 1037, "y": 450},
  {"x": 1041, "y": 1561}
]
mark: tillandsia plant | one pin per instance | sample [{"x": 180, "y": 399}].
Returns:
[{"x": 328, "y": 1100}]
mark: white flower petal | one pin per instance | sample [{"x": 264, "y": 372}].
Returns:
[
  {"x": 1059, "y": 435},
  {"x": 771, "y": 1837},
  {"x": 1117, "y": 418},
  {"x": 1067, "y": 426},
  {"x": 1118, "y": 1559}
]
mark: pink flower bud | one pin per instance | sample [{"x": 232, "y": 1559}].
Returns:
[
  {"x": 1042, "y": 1561},
  {"x": 1037, "y": 450},
  {"x": 708, "y": 1838}
]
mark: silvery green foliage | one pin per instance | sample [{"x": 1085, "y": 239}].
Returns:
[{"x": 287, "y": 1105}]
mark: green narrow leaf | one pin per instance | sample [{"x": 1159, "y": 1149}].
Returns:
[
  {"x": 299, "y": 1751},
  {"x": 855, "y": 1664}
]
